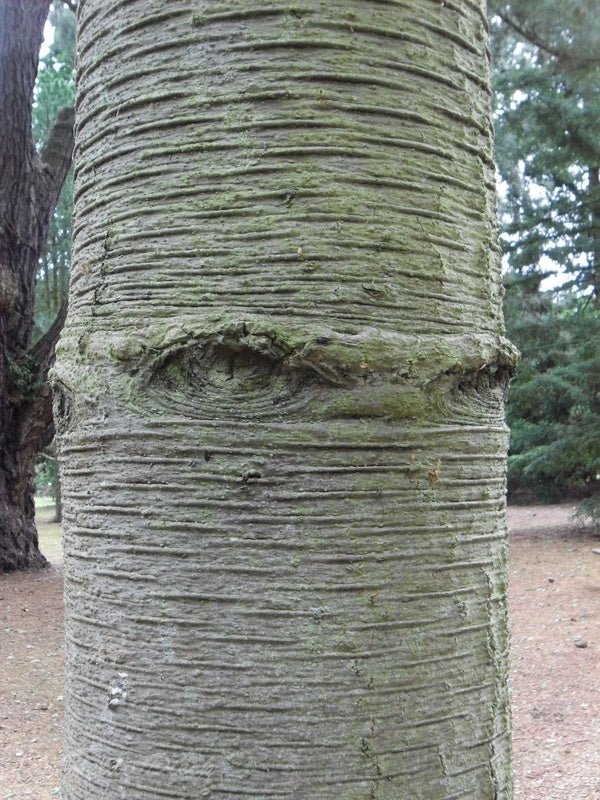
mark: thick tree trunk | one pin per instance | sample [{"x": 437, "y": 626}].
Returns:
[
  {"x": 19, "y": 540},
  {"x": 29, "y": 187},
  {"x": 594, "y": 178},
  {"x": 280, "y": 399}
]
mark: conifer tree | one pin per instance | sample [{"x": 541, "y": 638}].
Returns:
[{"x": 547, "y": 84}]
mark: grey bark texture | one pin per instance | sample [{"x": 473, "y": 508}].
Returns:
[{"x": 280, "y": 399}]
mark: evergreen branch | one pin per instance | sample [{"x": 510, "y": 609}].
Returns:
[
  {"x": 42, "y": 351},
  {"x": 37, "y": 422},
  {"x": 547, "y": 236},
  {"x": 552, "y": 217},
  {"x": 529, "y": 35},
  {"x": 49, "y": 454},
  {"x": 586, "y": 146},
  {"x": 56, "y": 157},
  {"x": 533, "y": 38}
]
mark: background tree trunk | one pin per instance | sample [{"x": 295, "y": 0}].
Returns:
[
  {"x": 29, "y": 187},
  {"x": 594, "y": 179},
  {"x": 280, "y": 397},
  {"x": 57, "y": 500}
]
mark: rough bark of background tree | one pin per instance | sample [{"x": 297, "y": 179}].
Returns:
[
  {"x": 55, "y": 89},
  {"x": 29, "y": 186},
  {"x": 284, "y": 369}
]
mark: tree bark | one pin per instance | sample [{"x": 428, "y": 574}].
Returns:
[
  {"x": 594, "y": 190},
  {"x": 57, "y": 501},
  {"x": 29, "y": 188},
  {"x": 280, "y": 402}
]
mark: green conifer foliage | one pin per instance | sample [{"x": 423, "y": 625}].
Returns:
[
  {"x": 554, "y": 408},
  {"x": 547, "y": 90},
  {"x": 547, "y": 83}
]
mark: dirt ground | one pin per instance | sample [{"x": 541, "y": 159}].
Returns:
[
  {"x": 554, "y": 585},
  {"x": 31, "y": 666},
  {"x": 554, "y": 603}
]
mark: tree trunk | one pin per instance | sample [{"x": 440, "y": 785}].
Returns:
[
  {"x": 280, "y": 398},
  {"x": 19, "y": 540},
  {"x": 594, "y": 179},
  {"x": 57, "y": 489},
  {"x": 29, "y": 187}
]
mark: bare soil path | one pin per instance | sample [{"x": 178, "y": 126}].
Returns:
[
  {"x": 554, "y": 606},
  {"x": 31, "y": 669},
  {"x": 554, "y": 588}
]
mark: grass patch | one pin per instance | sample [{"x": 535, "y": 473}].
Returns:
[
  {"x": 50, "y": 533},
  {"x": 43, "y": 502}
]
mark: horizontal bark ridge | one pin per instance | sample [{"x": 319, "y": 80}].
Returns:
[
  {"x": 296, "y": 164},
  {"x": 308, "y": 604}
]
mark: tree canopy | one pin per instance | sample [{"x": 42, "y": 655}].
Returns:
[{"x": 547, "y": 85}]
